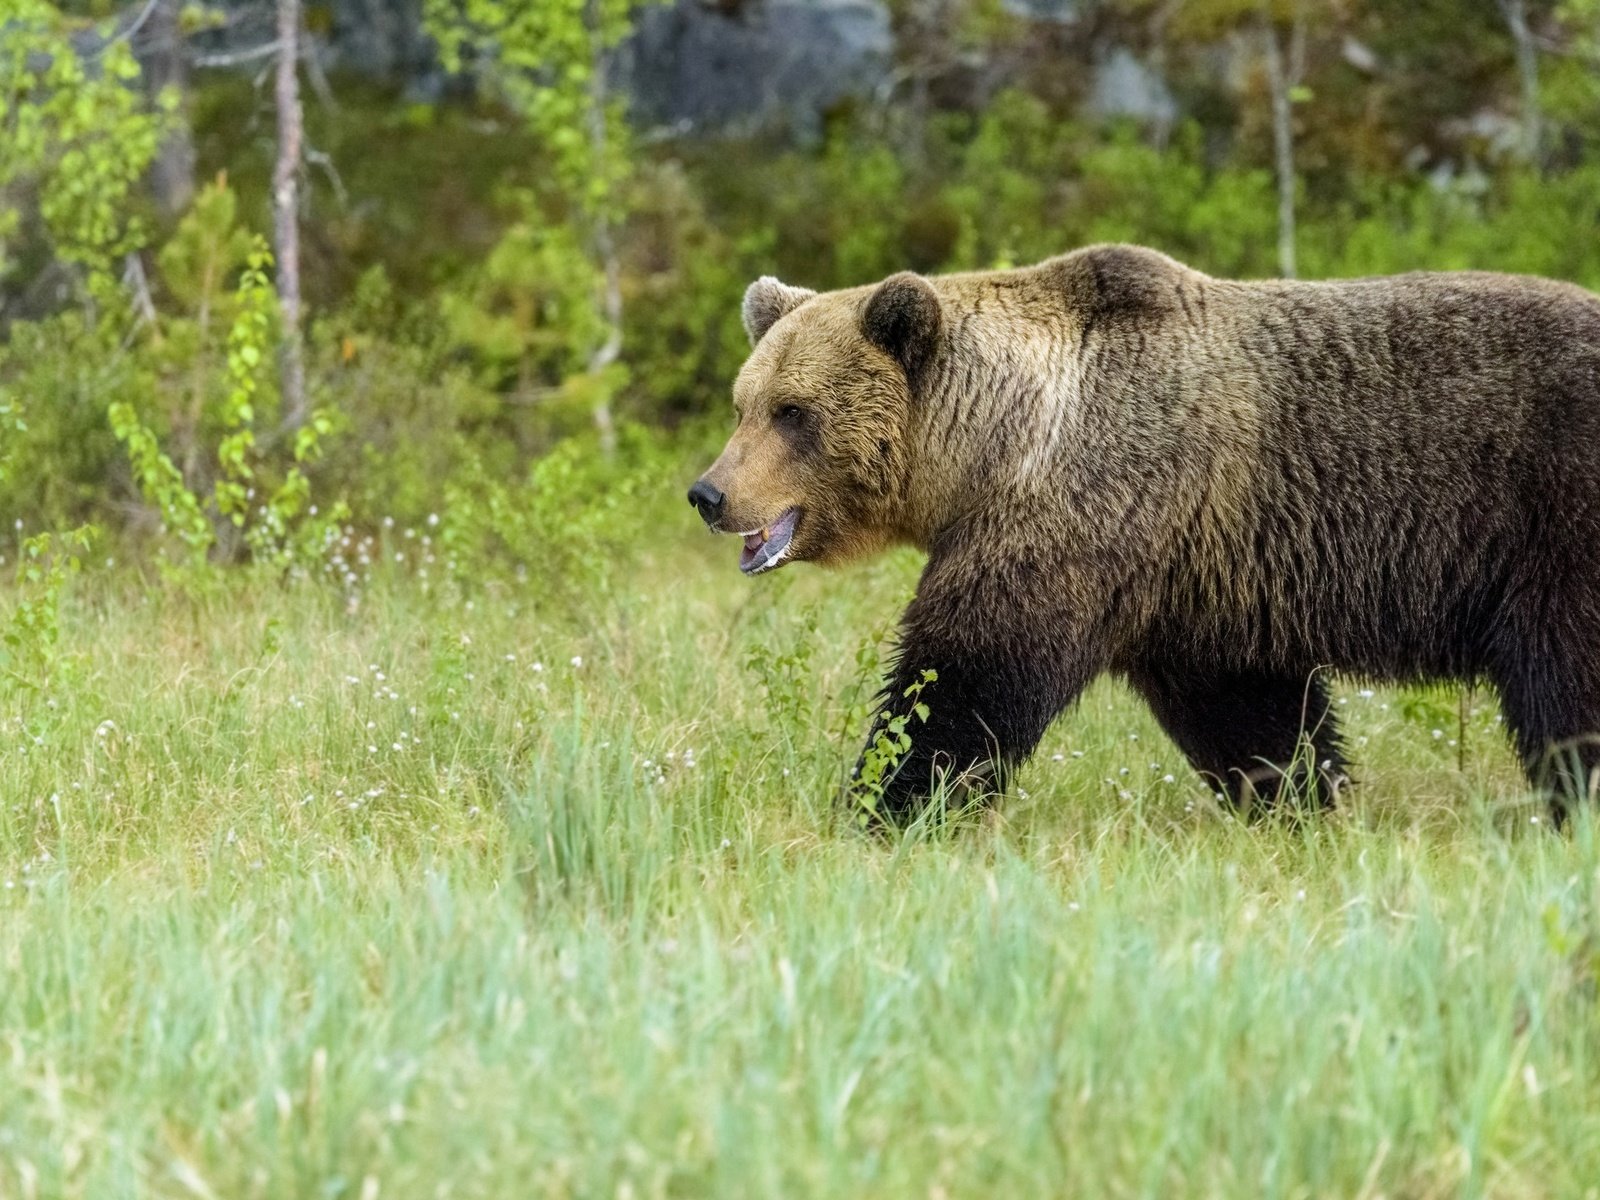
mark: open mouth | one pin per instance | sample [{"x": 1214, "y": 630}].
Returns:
[{"x": 767, "y": 547}]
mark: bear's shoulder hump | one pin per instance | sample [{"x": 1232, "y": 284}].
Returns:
[{"x": 1112, "y": 280}]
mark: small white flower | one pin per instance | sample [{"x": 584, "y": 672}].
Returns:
[{"x": 577, "y": 661}]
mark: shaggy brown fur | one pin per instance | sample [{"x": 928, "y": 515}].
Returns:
[{"x": 1219, "y": 490}]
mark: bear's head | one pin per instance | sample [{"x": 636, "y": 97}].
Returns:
[{"x": 819, "y": 466}]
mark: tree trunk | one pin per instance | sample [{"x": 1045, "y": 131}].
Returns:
[
  {"x": 162, "y": 52},
  {"x": 1516, "y": 15},
  {"x": 1281, "y": 82},
  {"x": 286, "y": 211},
  {"x": 605, "y": 247}
]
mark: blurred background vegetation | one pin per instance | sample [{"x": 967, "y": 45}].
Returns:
[{"x": 274, "y": 270}]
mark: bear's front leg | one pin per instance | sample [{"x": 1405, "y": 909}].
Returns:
[{"x": 1004, "y": 661}]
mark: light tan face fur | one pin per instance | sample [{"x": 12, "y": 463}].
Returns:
[{"x": 816, "y": 465}]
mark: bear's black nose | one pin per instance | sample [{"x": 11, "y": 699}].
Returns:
[{"x": 708, "y": 500}]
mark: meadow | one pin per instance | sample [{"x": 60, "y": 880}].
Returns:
[
  {"x": 393, "y": 885},
  {"x": 408, "y": 800}
]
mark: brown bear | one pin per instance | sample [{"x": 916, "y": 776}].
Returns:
[{"x": 1218, "y": 490}]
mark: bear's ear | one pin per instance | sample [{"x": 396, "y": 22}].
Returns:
[
  {"x": 904, "y": 320},
  {"x": 766, "y": 300}
]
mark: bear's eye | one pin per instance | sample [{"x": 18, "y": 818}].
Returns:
[{"x": 789, "y": 414}]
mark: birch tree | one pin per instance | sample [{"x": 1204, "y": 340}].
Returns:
[
  {"x": 1285, "y": 74},
  {"x": 551, "y": 62},
  {"x": 1515, "y": 13},
  {"x": 286, "y": 211},
  {"x": 1279, "y": 28}
]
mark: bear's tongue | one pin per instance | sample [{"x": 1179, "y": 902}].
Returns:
[{"x": 767, "y": 547}]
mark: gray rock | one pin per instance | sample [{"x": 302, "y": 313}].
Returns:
[
  {"x": 737, "y": 66},
  {"x": 1123, "y": 86},
  {"x": 1060, "y": 12}
]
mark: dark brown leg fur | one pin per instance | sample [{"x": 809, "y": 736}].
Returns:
[
  {"x": 1551, "y": 702},
  {"x": 1252, "y": 735}
]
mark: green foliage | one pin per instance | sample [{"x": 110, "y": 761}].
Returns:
[
  {"x": 1220, "y": 220},
  {"x": 161, "y": 483},
  {"x": 549, "y": 63},
  {"x": 12, "y": 424},
  {"x": 77, "y": 138},
  {"x": 459, "y": 323},
  {"x": 1570, "y": 82},
  {"x": 528, "y": 315},
  {"x": 251, "y": 492},
  {"x": 30, "y": 639},
  {"x": 247, "y": 344},
  {"x": 576, "y": 522},
  {"x": 890, "y": 744},
  {"x": 544, "y": 60},
  {"x": 786, "y": 679}
]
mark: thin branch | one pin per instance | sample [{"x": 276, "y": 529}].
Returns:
[
  {"x": 1516, "y": 17},
  {"x": 234, "y": 58},
  {"x": 123, "y": 35},
  {"x": 312, "y": 57},
  {"x": 321, "y": 159},
  {"x": 134, "y": 279}
]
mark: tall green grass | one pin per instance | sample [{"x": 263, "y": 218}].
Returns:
[{"x": 414, "y": 894}]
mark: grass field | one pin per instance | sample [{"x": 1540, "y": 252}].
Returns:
[{"x": 437, "y": 893}]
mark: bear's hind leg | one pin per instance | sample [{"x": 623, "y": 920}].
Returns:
[
  {"x": 1551, "y": 703},
  {"x": 1254, "y": 735}
]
